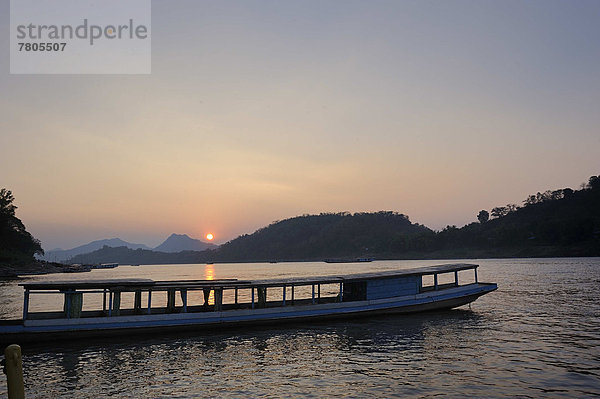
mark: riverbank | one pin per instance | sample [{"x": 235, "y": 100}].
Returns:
[{"x": 31, "y": 268}]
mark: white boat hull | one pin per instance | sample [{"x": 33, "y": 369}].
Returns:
[{"x": 37, "y": 330}]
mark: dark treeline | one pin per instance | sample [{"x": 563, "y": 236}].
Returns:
[
  {"x": 307, "y": 237},
  {"x": 17, "y": 245},
  {"x": 327, "y": 235},
  {"x": 562, "y": 222},
  {"x": 554, "y": 223}
]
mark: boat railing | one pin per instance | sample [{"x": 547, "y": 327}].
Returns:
[
  {"x": 160, "y": 297},
  {"x": 211, "y": 298}
]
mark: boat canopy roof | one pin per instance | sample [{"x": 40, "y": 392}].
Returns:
[{"x": 133, "y": 284}]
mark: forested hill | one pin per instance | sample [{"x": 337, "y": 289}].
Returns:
[
  {"x": 562, "y": 222},
  {"x": 327, "y": 235}
]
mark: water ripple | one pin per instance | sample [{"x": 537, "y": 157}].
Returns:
[{"x": 537, "y": 336}]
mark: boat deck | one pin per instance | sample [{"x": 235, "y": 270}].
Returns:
[
  {"x": 133, "y": 284},
  {"x": 124, "y": 304}
]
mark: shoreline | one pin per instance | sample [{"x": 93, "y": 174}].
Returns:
[
  {"x": 12, "y": 271},
  {"x": 8, "y": 271}
]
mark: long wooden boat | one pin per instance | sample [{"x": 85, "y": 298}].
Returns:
[{"x": 158, "y": 306}]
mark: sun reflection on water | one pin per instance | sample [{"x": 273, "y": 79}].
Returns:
[{"x": 209, "y": 274}]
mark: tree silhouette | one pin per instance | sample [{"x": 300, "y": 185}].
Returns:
[
  {"x": 14, "y": 237},
  {"x": 512, "y": 208},
  {"x": 483, "y": 216},
  {"x": 6, "y": 202},
  {"x": 500, "y": 211}
]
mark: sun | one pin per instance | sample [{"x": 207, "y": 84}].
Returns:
[{"x": 209, "y": 237}]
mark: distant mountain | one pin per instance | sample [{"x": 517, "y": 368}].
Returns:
[
  {"x": 308, "y": 237},
  {"x": 183, "y": 242},
  {"x": 128, "y": 256},
  {"x": 61, "y": 255}
]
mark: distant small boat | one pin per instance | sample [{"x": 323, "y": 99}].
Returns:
[
  {"x": 77, "y": 268},
  {"x": 105, "y": 266},
  {"x": 343, "y": 260},
  {"x": 244, "y": 302}
]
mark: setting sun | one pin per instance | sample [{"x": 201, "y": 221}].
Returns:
[{"x": 209, "y": 236}]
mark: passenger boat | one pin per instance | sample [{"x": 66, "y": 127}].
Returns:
[{"x": 158, "y": 306}]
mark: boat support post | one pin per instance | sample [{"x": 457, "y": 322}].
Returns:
[
  {"x": 184, "y": 299},
  {"x": 26, "y": 304},
  {"x": 68, "y": 303},
  {"x": 218, "y": 299},
  {"x": 137, "y": 301},
  {"x": 319, "y": 293},
  {"x": 149, "y": 301},
  {"x": 73, "y": 303},
  {"x": 13, "y": 367},
  {"x": 262, "y": 296},
  {"x": 116, "y": 303},
  {"x": 170, "y": 300},
  {"x": 284, "y": 289}
]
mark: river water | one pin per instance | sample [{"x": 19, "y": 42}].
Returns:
[{"x": 538, "y": 335}]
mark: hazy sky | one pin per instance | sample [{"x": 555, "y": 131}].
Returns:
[{"x": 257, "y": 111}]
